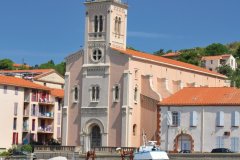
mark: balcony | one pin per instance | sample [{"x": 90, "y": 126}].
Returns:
[
  {"x": 48, "y": 129},
  {"x": 25, "y": 128},
  {"x": 26, "y": 99},
  {"x": 46, "y": 115},
  {"x": 45, "y": 101}
]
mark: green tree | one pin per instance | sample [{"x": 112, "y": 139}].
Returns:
[
  {"x": 238, "y": 53},
  {"x": 225, "y": 70},
  {"x": 49, "y": 65},
  {"x": 216, "y": 49},
  {"x": 191, "y": 57},
  {"x": 6, "y": 64},
  {"x": 160, "y": 52},
  {"x": 61, "y": 68}
]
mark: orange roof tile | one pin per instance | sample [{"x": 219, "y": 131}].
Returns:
[
  {"x": 216, "y": 57},
  {"x": 169, "y": 62},
  {"x": 20, "y": 65},
  {"x": 57, "y": 92},
  {"x": 28, "y": 71},
  {"x": 172, "y": 54},
  {"x": 13, "y": 81},
  {"x": 204, "y": 96}
]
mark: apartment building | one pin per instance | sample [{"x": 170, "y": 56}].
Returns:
[{"x": 28, "y": 112}]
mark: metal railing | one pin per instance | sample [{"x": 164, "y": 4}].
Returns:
[{"x": 44, "y": 148}]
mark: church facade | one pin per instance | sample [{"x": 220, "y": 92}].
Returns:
[{"x": 111, "y": 92}]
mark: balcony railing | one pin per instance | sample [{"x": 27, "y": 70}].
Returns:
[
  {"x": 46, "y": 115},
  {"x": 45, "y": 101},
  {"x": 45, "y": 129}
]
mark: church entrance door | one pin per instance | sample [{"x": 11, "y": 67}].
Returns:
[{"x": 96, "y": 138}]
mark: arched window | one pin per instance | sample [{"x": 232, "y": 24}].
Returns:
[
  {"x": 97, "y": 55},
  {"x": 100, "y": 23},
  {"x": 75, "y": 94},
  {"x": 95, "y": 93},
  {"x": 119, "y": 25},
  {"x": 116, "y": 93},
  {"x": 134, "y": 129},
  {"x": 96, "y": 24}
]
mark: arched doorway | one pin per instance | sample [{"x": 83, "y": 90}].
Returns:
[
  {"x": 96, "y": 137},
  {"x": 183, "y": 142}
]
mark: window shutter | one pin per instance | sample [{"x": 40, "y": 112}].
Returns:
[
  {"x": 220, "y": 119},
  {"x": 235, "y": 119},
  {"x": 169, "y": 118},
  {"x": 222, "y": 142},
  {"x": 179, "y": 118},
  {"x": 193, "y": 119},
  {"x": 218, "y": 142}
]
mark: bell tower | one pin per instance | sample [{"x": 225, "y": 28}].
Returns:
[{"x": 105, "y": 26}]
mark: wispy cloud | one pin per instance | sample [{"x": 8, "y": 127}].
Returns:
[{"x": 151, "y": 35}]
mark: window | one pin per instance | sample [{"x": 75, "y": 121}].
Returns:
[
  {"x": 59, "y": 104},
  {"x": 175, "y": 118},
  {"x": 211, "y": 61},
  {"x": 5, "y": 90},
  {"x": 119, "y": 25},
  {"x": 97, "y": 55},
  {"x": 193, "y": 119},
  {"x": 75, "y": 94},
  {"x": 16, "y": 90},
  {"x": 100, "y": 23},
  {"x": 116, "y": 93},
  {"x": 95, "y": 93},
  {"x": 235, "y": 119},
  {"x": 34, "y": 95},
  {"x": 34, "y": 110},
  {"x": 96, "y": 24},
  {"x": 116, "y": 25},
  {"x": 15, "y": 108},
  {"x": 220, "y": 119},
  {"x": 135, "y": 94},
  {"x": 235, "y": 144},
  {"x": 14, "y": 123},
  {"x": 210, "y": 69},
  {"x": 134, "y": 129},
  {"x": 15, "y": 138},
  {"x": 33, "y": 125},
  {"x": 136, "y": 74},
  {"x": 220, "y": 142}
]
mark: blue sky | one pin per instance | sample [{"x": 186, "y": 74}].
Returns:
[{"x": 40, "y": 30}]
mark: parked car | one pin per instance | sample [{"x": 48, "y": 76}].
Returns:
[
  {"x": 221, "y": 150},
  {"x": 185, "y": 151}
]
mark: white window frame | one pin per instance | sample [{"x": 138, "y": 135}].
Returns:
[
  {"x": 114, "y": 93},
  {"x": 96, "y": 97}
]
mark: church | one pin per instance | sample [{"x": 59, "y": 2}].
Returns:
[{"x": 112, "y": 92}]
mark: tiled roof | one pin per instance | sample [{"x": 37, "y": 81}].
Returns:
[
  {"x": 57, "y": 93},
  {"x": 168, "y": 61},
  {"x": 20, "y": 65},
  {"x": 216, "y": 57},
  {"x": 204, "y": 96},
  {"x": 171, "y": 54},
  {"x": 27, "y": 71},
  {"x": 13, "y": 81}
]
